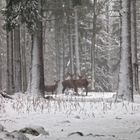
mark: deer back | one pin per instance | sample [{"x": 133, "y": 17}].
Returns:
[
  {"x": 81, "y": 82},
  {"x": 68, "y": 83},
  {"x": 53, "y": 87}
]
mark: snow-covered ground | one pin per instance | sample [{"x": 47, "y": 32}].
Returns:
[{"x": 65, "y": 117}]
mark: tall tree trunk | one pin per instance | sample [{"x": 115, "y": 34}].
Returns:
[
  {"x": 17, "y": 60},
  {"x": 37, "y": 71},
  {"x": 93, "y": 47},
  {"x": 61, "y": 57},
  {"x": 23, "y": 61},
  {"x": 57, "y": 36},
  {"x": 30, "y": 68},
  {"x": 1, "y": 78},
  {"x": 109, "y": 43},
  {"x": 10, "y": 72},
  {"x": 125, "y": 87},
  {"x": 77, "y": 42},
  {"x": 134, "y": 47},
  {"x": 70, "y": 32}
]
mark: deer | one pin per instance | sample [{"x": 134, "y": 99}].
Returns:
[
  {"x": 52, "y": 88},
  {"x": 75, "y": 84},
  {"x": 82, "y": 83},
  {"x": 69, "y": 83}
]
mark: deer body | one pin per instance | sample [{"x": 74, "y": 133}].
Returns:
[
  {"x": 68, "y": 84},
  {"x": 51, "y": 88},
  {"x": 82, "y": 83},
  {"x": 75, "y": 84}
]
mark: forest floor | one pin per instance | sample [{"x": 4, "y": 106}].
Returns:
[{"x": 66, "y": 117}]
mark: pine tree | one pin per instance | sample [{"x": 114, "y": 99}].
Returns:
[{"x": 125, "y": 88}]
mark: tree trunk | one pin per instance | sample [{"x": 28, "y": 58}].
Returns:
[
  {"x": 77, "y": 42},
  {"x": 93, "y": 47},
  {"x": 70, "y": 32},
  {"x": 10, "y": 73},
  {"x": 37, "y": 70},
  {"x": 125, "y": 87},
  {"x": 23, "y": 64},
  {"x": 1, "y": 78},
  {"x": 57, "y": 36},
  {"x": 30, "y": 68},
  {"x": 17, "y": 60},
  {"x": 134, "y": 47},
  {"x": 61, "y": 57}
]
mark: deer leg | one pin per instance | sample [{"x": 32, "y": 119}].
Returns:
[
  {"x": 75, "y": 89},
  {"x": 86, "y": 91},
  {"x": 63, "y": 90}
]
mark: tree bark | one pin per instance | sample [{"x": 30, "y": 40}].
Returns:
[
  {"x": 37, "y": 71},
  {"x": 10, "y": 65},
  {"x": 134, "y": 47},
  {"x": 125, "y": 87},
  {"x": 61, "y": 57},
  {"x": 1, "y": 78},
  {"x": 77, "y": 42},
  {"x": 17, "y": 60},
  {"x": 23, "y": 63},
  {"x": 70, "y": 32},
  {"x": 93, "y": 47},
  {"x": 57, "y": 36},
  {"x": 10, "y": 72}
]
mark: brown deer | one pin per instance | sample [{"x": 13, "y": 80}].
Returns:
[
  {"x": 82, "y": 83},
  {"x": 51, "y": 88},
  {"x": 75, "y": 83},
  {"x": 69, "y": 83}
]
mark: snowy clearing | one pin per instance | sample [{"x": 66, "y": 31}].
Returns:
[{"x": 65, "y": 117}]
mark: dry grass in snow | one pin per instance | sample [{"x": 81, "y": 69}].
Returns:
[{"x": 95, "y": 117}]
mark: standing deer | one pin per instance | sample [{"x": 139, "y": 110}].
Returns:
[
  {"x": 69, "y": 83},
  {"x": 52, "y": 88},
  {"x": 75, "y": 84},
  {"x": 82, "y": 83}
]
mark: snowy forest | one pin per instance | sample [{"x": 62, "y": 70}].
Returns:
[{"x": 69, "y": 69}]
